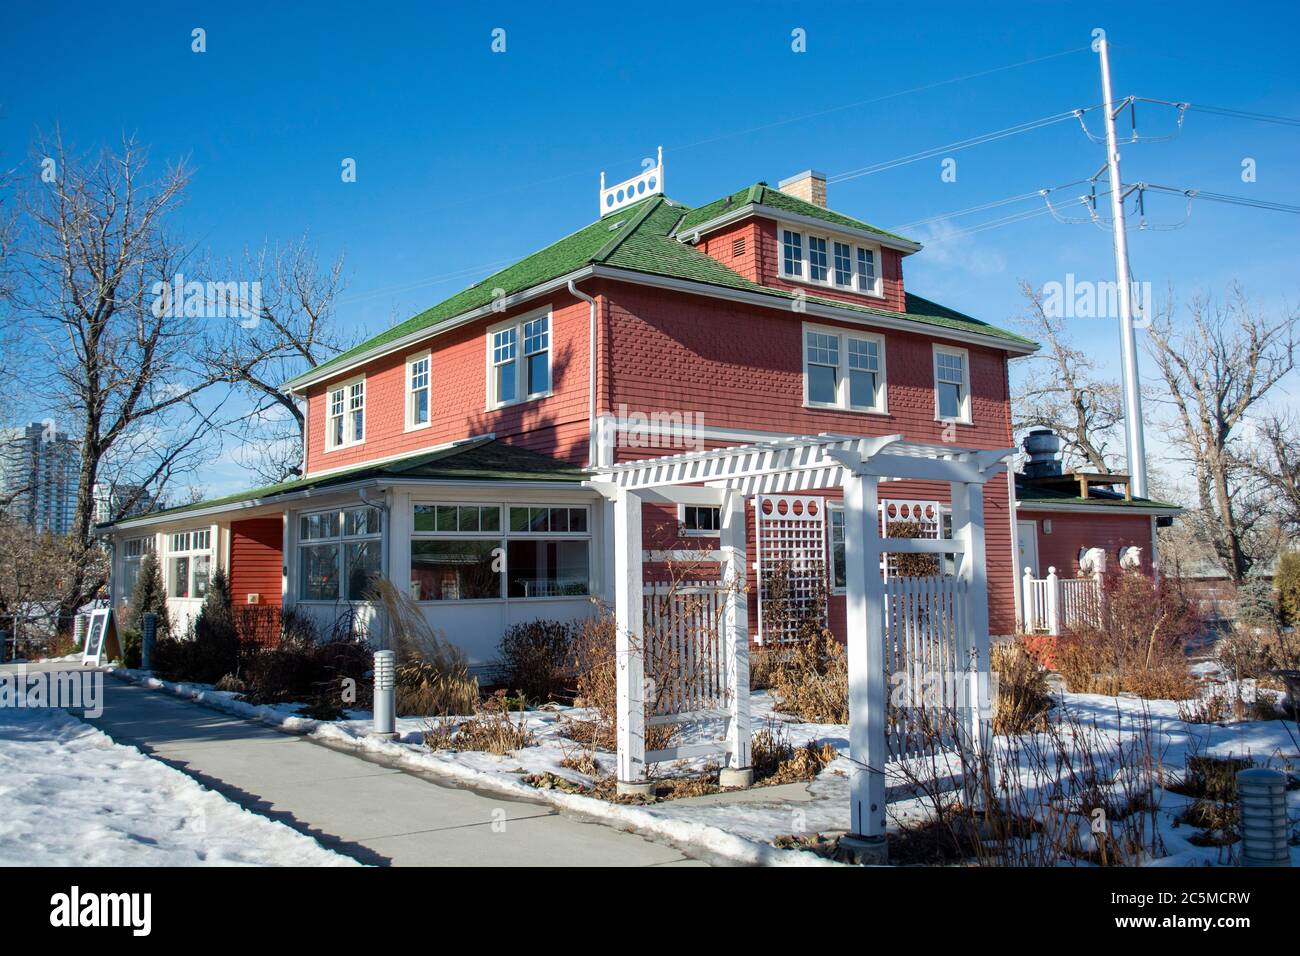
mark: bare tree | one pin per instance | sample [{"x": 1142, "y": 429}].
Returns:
[
  {"x": 1062, "y": 392},
  {"x": 294, "y": 331},
  {"x": 94, "y": 252},
  {"x": 1217, "y": 364},
  {"x": 1273, "y": 459}
]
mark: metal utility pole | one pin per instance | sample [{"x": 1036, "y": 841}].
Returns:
[{"x": 1136, "y": 446}]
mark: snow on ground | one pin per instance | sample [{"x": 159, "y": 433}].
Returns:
[
  {"x": 742, "y": 830},
  {"x": 71, "y": 796}
]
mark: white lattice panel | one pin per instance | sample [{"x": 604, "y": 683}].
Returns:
[{"x": 792, "y": 573}]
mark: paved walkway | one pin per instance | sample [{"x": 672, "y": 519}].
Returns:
[{"x": 371, "y": 812}]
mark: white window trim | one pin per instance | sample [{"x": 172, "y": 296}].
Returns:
[
  {"x": 341, "y": 541},
  {"x": 411, "y": 423},
  {"x": 504, "y": 536},
  {"x": 965, "y": 418},
  {"x": 842, "y": 404},
  {"x": 829, "y": 282},
  {"x": 697, "y": 533},
  {"x": 190, "y": 550},
  {"x": 521, "y": 372},
  {"x": 345, "y": 387}
]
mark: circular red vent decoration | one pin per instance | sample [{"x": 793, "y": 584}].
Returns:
[
  {"x": 782, "y": 507},
  {"x": 767, "y": 506},
  {"x": 893, "y": 511},
  {"x": 812, "y": 508},
  {"x": 798, "y": 507}
]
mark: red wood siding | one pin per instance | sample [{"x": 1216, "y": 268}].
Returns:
[
  {"x": 256, "y": 560},
  {"x": 555, "y": 425},
  {"x": 1072, "y": 531}
]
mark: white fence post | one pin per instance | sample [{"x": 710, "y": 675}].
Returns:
[
  {"x": 1053, "y": 602},
  {"x": 738, "y": 772},
  {"x": 629, "y": 623}
]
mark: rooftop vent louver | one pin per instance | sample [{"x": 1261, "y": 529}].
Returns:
[{"x": 1043, "y": 446}]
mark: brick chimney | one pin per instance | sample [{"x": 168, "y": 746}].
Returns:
[{"x": 809, "y": 185}]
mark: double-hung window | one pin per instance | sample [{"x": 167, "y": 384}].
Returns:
[
  {"x": 844, "y": 369},
  {"x": 346, "y": 414},
  {"x": 339, "y": 554},
  {"x": 417, "y": 391},
  {"x": 472, "y": 551},
  {"x": 519, "y": 360},
  {"x": 952, "y": 384},
  {"x": 826, "y": 260},
  {"x": 791, "y": 253},
  {"x": 133, "y": 552},
  {"x": 190, "y": 563}
]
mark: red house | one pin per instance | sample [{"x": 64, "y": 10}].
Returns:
[{"x": 451, "y": 453}]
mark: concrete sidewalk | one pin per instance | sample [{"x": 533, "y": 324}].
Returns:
[{"x": 373, "y": 813}]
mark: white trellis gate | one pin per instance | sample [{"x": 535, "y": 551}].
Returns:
[{"x": 795, "y": 466}]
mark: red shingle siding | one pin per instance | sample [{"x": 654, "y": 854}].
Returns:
[
  {"x": 555, "y": 425},
  {"x": 1072, "y": 531},
  {"x": 256, "y": 560},
  {"x": 891, "y": 270}
]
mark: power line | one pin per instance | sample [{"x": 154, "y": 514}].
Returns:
[
  {"x": 1223, "y": 198},
  {"x": 877, "y": 99},
  {"x": 1225, "y": 111},
  {"x": 960, "y": 144}
]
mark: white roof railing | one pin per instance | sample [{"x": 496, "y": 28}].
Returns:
[{"x": 648, "y": 182}]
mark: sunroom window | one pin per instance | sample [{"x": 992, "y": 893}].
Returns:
[
  {"x": 339, "y": 554},
  {"x": 189, "y": 563},
  {"x": 466, "y": 551}
]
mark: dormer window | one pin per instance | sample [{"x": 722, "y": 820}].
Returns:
[{"x": 825, "y": 260}]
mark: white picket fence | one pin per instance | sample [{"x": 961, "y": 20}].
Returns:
[
  {"x": 928, "y": 658},
  {"x": 1052, "y": 604}
]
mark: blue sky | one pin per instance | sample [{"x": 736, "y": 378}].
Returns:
[{"x": 468, "y": 159}]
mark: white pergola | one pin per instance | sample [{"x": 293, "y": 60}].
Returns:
[{"x": 725, "y": 477}]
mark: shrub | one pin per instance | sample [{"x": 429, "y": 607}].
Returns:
[
  {"x": 1041, "y": 647},
  {"x": 1255, "y": 604},
  {"x": 536, "y": 660},
  {"x": 1287, "y": 582},
  {"x": 811, "y": 681},
  {"x": 315, "y": 673},
  {"x": 216, "y": 644},
  {"x": 148, "y": 596},
  {"x": 432, "y": 675},
  {"x": 1023, "y": 699},
  {"x": 1135, "y": 644},
  {"x": 776, "y": 760},
  {"x": 909, "y": 565},
  {"x": 131, "y": 648},
  {"x": 1255, "y": 652},
  {"x": 492, "y": 730}
]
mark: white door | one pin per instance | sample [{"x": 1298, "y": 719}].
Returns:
[{"x": 1027, "y": 544}]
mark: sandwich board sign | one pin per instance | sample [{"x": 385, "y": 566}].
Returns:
[{"x": 97, "y": 635}]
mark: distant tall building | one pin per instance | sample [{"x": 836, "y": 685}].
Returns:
[
  {"x": 38, "y": 476},
  {"x": 113, "y": 502}
]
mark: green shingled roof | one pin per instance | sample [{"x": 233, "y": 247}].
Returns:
[
  {"x": 1030, "y": 494},
  {"x": 482, "y": 459},
  {"x": 762, "y": 194},
  {"x": 642, "y": 237}
]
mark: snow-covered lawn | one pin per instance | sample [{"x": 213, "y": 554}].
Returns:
[
  {"x": 743, "y": 829},
  {"x": 71, "y": 796}
]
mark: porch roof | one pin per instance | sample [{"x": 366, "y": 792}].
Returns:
[
  {"x": 483, "y": 459},
  {"x": 1030, "y": 496}
]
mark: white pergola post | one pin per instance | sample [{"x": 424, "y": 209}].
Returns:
[
  {"x": 738, "y": 772},
  {"x": 968, "y": 528},
  {"x": 629, "y": 622},
  {"x": 868, "y": 747}
]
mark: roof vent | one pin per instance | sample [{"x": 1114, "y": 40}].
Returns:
[
  {"x": 1043, "y": 446},
  {"x": 809, "y": 185},
  {"x": 646, "y": 183}
]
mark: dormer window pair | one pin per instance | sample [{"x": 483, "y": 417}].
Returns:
[{"x": 825, "y": 260}]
